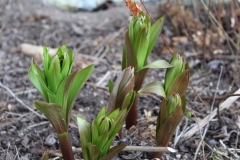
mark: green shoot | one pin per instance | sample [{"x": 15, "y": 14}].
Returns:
[
  {"x": 140, "y": 38},
  {"x": 59, "y": 89}
]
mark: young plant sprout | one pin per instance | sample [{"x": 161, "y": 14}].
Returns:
[
  {"x": 59, "y": 89},
  {"x": 140, "y": 39},
  {"x": 173, "y": 105},
  {"x": 96, "y": 139}
]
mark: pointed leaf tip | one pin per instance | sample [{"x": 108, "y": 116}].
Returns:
[{"x": 155, "y": 87}]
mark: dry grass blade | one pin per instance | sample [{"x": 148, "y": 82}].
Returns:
[
  {"x": 206, "y": 129},
  {"x": 127, "y": 148},
  {"x": 226, "y": 104},
  {"x": 20, "y": 101}
]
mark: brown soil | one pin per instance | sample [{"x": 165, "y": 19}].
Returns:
[{"x": 97, "y": 37}]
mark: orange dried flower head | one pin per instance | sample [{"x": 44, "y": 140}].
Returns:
[{"x": 134, "y": 8}]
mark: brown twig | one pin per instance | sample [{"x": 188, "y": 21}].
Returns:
[
  {"x": 127, "y": 148},
  {"x": 164, "y": 41},
  {"x": 198, "y": 96},
  {"x": 208, "y": 120},
  {"x": 205, "y": 29},
  {"x": 147, "y": 11},
  {"x": 219, "y": 25},
  {"x": 203, "y": 122},
  {"x": 20, "y": 101},
  {"x": 218, "y": 107},
  {"x": 220, "y": 98}
]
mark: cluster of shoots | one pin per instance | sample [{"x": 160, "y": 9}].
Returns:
[{"x": 59, "y": 87}]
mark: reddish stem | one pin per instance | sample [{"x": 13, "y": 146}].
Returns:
[
  {"x": 65, "y": 146},
  {"x": 131, "y": 119}
]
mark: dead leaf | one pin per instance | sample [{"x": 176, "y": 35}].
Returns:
[
  {"x": 134, "y": 8},
  {"x": 35, "y": 51}
]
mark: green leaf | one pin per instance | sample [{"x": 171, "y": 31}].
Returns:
[
  {"x": 62, "y": 93},
  {"x": 171, "y": 73},
  {"x": 128, "y": 100},
  {"x": 113, "y": 114},
  {"x": 116, "y": 98},
  {"x": 121, "y": 96},
  {"x": 94, "y": 130},
  {"x": 71, "y": 57},
  {"x": 110, "y": 86},
  {"x": 162, "y": 115},
  {"x": 155, "y": 87},
  {"x": 60, "y": 55},
  {"x": 139, "y": 78},
  {"x": 113, "y": 152},
  {"x": 85, "y": 135},
  {"x": 54, "y": 114},
  {"x": 131, "y": 59},
  {"x": 38, "y": 80},
  {"x": 63, "y": 48},
  {"x": 168, "y": 126},
  {"x": 101, "y": 113},
  {"x": 104, "y": 126},
  {"x": 53, "y": 76},
  {"x": 124, "y": 60},
  {"x": 140, "y": 47},
  {"x": 137, "y": 27},
  {"x": 94, "y": 152},
  {"x": 127, "y": 77},
  {"x": 179, "y": 85},
  {"x": 46, "y": 59},
  {"x": 101, "y": 142},
  {"x": 131, "y": 28},
  {"x": 184, "y": 103},
  {"x": 65, "y": 66},
  {"x": 173, "y": 102},
  {"x": 160, "y": 64},
  {"x": 45, "y": 156},
  {"x": 155, "y": 30},
  {"x": 76, "y": 86},
  {"x": 118, "y": 122}
]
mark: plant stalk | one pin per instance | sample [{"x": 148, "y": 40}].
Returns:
[
  {"x": 65, "y": 146},
  {"x": 131, "y": 119}
]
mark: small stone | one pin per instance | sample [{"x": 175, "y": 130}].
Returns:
[
  {"x": 124, "y": 141},
  {"x": 20, "y": 134},
  {"x": 50, "y": 140},
  {"x": 3, "y": 132},
  {"x": 212, "y": 142}
]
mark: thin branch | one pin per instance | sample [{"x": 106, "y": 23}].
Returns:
[
  {"x": 219, "y": 25},
  {"x": 21, "y": 102},
  {"x": 164, "y": 41},
  {"x": 226, "y": 104},
  {"x": 127, "y": 148},
  {"x": 206, "y": 29},
  {"x": 211, "y": 110},
  {"x": 198, "y": 96},
  {"x": 218, "y": 107},
  {"x": 147, "y": 11}
]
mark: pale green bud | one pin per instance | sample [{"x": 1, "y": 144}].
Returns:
[
  {"x": 171, "y": 73},
  {"x": 173, "y": 102}
]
